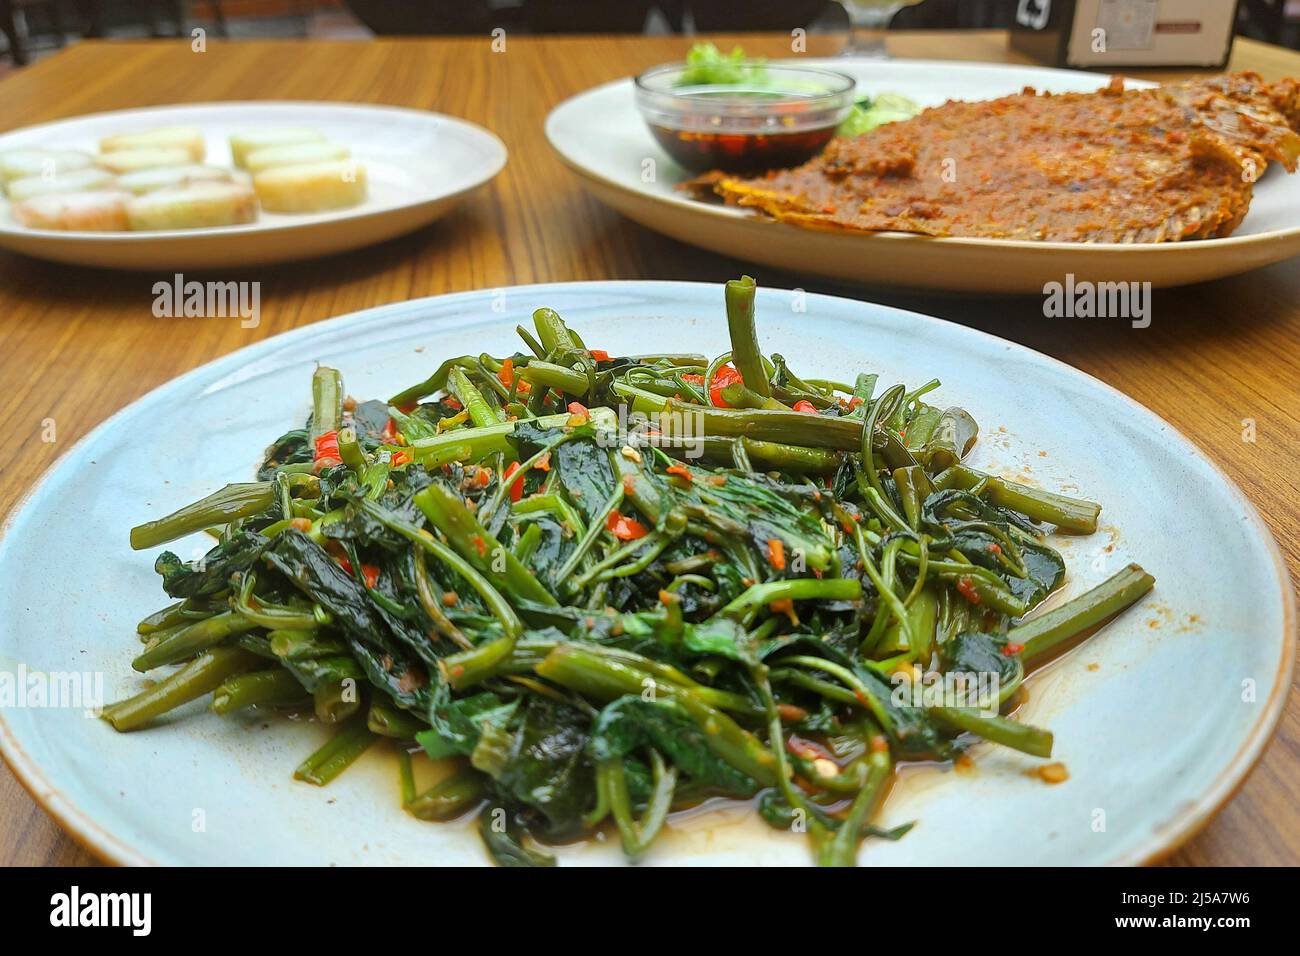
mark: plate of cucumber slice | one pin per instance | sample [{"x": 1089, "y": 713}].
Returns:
[{"x": 213, "y": 185}]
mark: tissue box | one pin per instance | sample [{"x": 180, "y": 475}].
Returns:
[{"x": 1108, "y": 34}]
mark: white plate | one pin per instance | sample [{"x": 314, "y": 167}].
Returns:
[
  {"x": 418, "y": 164},
  {"x": 1155, "y": 737},
  {"x": 601, "y": 136}
]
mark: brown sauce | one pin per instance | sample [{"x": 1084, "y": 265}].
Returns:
[{"x": 699, "y": 150}]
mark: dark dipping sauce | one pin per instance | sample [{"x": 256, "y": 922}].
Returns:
[
  {"x": 700, "y": 150},
  {"x": 744, "y": 128}
]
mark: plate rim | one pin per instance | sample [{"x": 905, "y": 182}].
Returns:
[
  {"x": 719, "y": 212},
  {"x": 1164, "y": 839},
  {"x": 481, "y": 177}
]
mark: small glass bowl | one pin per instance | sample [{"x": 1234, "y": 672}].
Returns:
[{"x": 744, "y": 127}]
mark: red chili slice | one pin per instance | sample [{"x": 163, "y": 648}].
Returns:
[
  {"x": 579, "y": 413},
  {"x": 721, "y": 379},
  {"x": 327, "y": 446},
  {"x": 507, "y": 373},
  {"x": 516, "y": 489},
  {"x": 507, "y": 377},
  {"x": 625, "y": 528},
  {"x": 966, "y": 588}
]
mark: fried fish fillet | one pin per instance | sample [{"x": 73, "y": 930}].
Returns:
[{"x": 1154, "y": 165}]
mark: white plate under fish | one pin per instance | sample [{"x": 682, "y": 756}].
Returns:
[
  {"x": 1157, "y": 718},
  {"x": 602, "y": 138},
  {"x": 419, "y": 165}
]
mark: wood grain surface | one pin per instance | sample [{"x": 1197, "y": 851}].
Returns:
[{"x": 76, "y": 345}]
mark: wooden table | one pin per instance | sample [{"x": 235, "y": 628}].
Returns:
[{"x": 76, "y": 345}]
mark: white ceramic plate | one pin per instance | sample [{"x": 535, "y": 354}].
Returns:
[
  {"x": 419, "y": 165},
  {"x": 1155, "y": 736},
  {"x": 600, "y": 135}
]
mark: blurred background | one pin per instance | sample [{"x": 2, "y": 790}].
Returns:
[{"x": 32, "y": 28}]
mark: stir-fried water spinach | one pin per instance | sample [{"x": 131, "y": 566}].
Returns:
[{"x": 598, "y": 589}]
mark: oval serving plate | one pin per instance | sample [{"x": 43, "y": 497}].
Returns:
[
  {"x": 1148, "y": 715},
  {"x": 418, "y": 164},
  {"x": 601, "y": 137}
]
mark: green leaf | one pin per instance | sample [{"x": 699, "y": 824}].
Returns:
[
  {"x": 504, "y": 837},
  {"x": 977, "y": 653},
  {"x": 292, "y": 448},
  {"x": 631, "y": 722},
  {"x": 707, "y": 65},
  {"x": 457, "y": 724},
  {"x": 1045, "y": 571},
  {"x": 722, "y": 637},
  {"x": 212, "y": 572},
  {"x": 583, "y": 466},
  {"x": 544, "y": 763},
  {"x": 763, "y": 510},
  {"x": 386, "y": 661}
]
